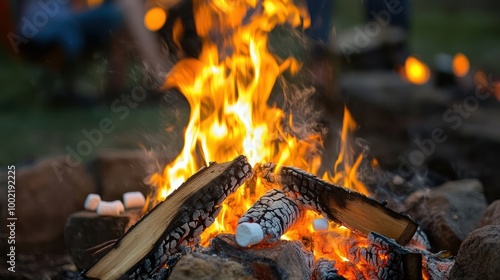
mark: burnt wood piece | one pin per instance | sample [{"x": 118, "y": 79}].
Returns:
[
  {"x": 412, "y": 266},
  {"x": 439, "y": 266},
  {"x": 383, "y": 258},
  {"x": 86, "y": 229},
  {"x": 420, "y": 240},
  {"x": 275, "y": 213},
  {"x": 173, "y": 224},
  {"x": 325, "y": 270},
  {"x": 346, "y": 207}
]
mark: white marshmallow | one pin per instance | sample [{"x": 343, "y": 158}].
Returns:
[
  {"x": 113, "y": 208},
  {"x": 248, "y": 234},
  {"x": 92, "y": 201},
  {"x": 119, "y": 204},
  {"x": 320, "y": 224},
  {"x": 134, "y": 200}
]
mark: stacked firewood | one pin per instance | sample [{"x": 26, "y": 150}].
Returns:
[{"x": 176, "y": 223}]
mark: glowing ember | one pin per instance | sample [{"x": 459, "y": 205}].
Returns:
[
  {"x": 155, "y": 18},
  {"x": 416, "y": 71},
  {"x": 460, "y": 65},
  {"x": 227, "y": 88},
  {"x": 94, "y": 3}
]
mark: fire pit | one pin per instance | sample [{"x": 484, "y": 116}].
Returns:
[{"x": 248, "y": 183}]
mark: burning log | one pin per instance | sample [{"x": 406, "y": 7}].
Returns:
[
  {"x": 346, "y": 207},
  {"x": 176, "y": 222},
  {"x": 274, "y": 213},
  {"x": 439, "y": 266},
  {"x": 382, "y": 258},
  {"x": 325, "y": 270},
  {"x": 420, "y": 240}
]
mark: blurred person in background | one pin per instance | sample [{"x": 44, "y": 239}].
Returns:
[{"x": 63, "y": 34}]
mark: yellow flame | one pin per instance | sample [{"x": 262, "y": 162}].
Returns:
[
  {"x": 346, "y": 168},
  {"x": 460, "y": 65},
  {"x": 227, "y": 88},
  {"x": 416, "y": 71},
  {"x": 155, "y": 18}
]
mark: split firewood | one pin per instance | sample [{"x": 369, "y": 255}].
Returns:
[
  {"x": 346, "y": 207},
  {"x": 268, "y": 219},
  {"x": 325, "y": 270},
  {"x": 174, "y": 223}
]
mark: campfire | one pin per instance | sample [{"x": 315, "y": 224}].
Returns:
[{"x": 248, "y": 174}]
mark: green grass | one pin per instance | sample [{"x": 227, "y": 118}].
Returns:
[
  {"x": 31, "y": 129},
  {"x": 474, "y": 33},
  {"x": 435, "y": 28},
  {"x": 30, "y": 134}
]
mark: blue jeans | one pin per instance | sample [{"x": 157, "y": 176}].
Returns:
[{"x": 76, "y": 32}]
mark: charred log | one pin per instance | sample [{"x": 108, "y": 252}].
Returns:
[
  {"x": 325, "y": 270},
  {"x": 412, "y": 266},
  {"x": 437, "y": 268},
  {"x": 380, "y": 257},
  {"x": 274, "y": 212},
  {"x": 346, "y": 207},
  {"x": 176, "y": 222},
  {"x": 420, "y": 240}
]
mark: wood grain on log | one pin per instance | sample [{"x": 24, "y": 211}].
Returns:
[
  {"x": 176, "y": 222},
  {"x": 275, "y": 213},
  {"x": 346, "y": 207}
]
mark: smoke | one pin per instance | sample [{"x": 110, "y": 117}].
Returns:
[{"x": 302, "y": 117}]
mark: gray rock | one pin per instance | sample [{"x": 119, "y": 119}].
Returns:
[
  {"x": 47, "y": 193},
  {"x": 195, "y": 266},
  {"x": 448, "y": 213},
  {"x": 281, "y": 260},
  {"x": 492, "y": 215},
  {"x": 479, "y": 255}
]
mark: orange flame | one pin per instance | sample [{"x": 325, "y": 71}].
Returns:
[
  {"x": 345, "y": 170},
  {"x": 416, "y": 71},
  {"x": 227, "y": 88}
]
